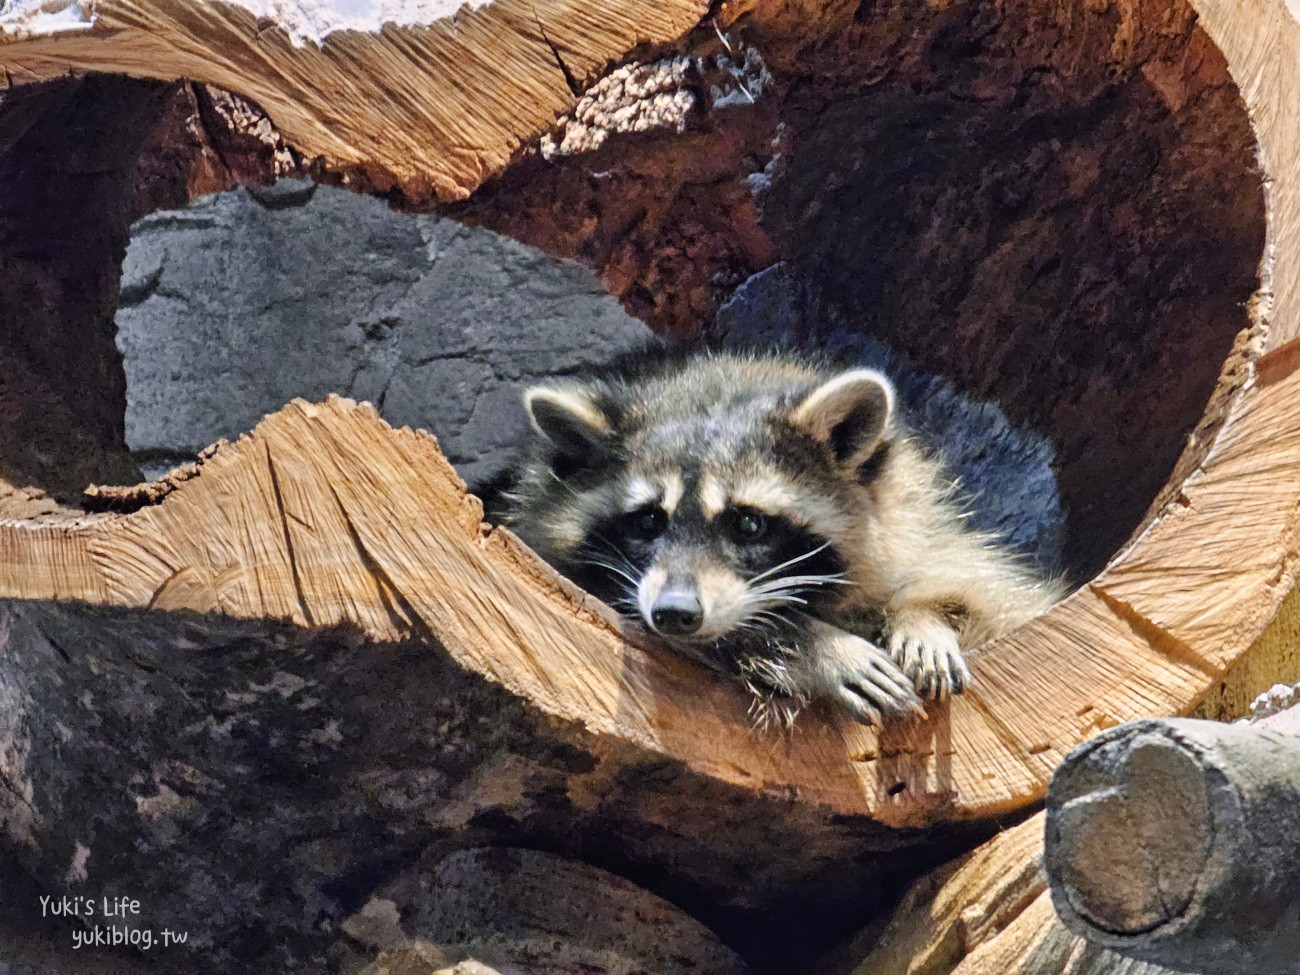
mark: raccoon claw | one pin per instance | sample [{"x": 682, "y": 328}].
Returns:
[
  {"x": 862, "y": 679},
  {"x": 928, "y": 653},
  {"x": 871, "y": 703}
]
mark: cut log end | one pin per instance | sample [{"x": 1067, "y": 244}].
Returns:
[
  {"x": 1178, "y": 842},
  {"x": 1153, "y": 801},
  {"x": 1088, "y": 262}
]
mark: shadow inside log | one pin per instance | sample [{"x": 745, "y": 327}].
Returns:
[
  {"x": 69, "y": 153},
  {"x": 1061, "y": 210},
  {"x": 255, "y": 784}
]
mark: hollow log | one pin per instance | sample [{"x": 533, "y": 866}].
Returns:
[
  {"x": 1136, "y": 640},
  {"x": 1178, "y": 842},
  {"x": 466, "y": 695}
]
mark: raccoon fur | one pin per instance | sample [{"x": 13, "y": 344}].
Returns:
[{"x": 772, "y": 516}]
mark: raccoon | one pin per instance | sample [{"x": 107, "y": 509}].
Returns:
[{"x": 772, "y": 516}]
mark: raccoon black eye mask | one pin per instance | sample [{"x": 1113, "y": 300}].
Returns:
[{"x": 751, "y": 511}]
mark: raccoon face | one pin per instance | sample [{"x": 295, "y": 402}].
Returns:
[{"x": 708, "y": 520}]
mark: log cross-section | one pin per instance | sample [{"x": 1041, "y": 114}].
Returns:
[
  {"x": 1178, "y": 842},
  {"x": 331, "y": 532},
  {"x": 458, "y": 86},
  {"x": 325, "y": 515}
]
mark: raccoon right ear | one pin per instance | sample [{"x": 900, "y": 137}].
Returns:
[
  {"x": 569, "y": 419},
  {"x": 849, "y": 413}
]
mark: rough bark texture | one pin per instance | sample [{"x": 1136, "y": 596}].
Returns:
[
  {"x": 256, "y": 785},
  {"x": 440, "y": 691},
  {"x": 245, "y": 300},
  {"x": 1178, "y": 842}
]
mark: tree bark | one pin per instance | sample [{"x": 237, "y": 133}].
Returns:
[
  {"x": 377, "y": 678},
  {"x": 1178, "y": 842},
  {"x": 254, "y": 785}
]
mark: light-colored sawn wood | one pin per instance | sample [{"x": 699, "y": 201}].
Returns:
[
  {"x": 988, "y": 913},
  {"x": 326, "y": 515},
  {"x": 458, "y": 86}
]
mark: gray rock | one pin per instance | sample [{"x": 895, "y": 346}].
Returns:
[{"x": 241, "y": 302}]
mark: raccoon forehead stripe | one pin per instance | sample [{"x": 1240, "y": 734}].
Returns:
[
  {"x": 712, "y": 497},
  {"x": 772, "y": 494},
  {"x": 673, "y": 491},
  {"x": 639, "y": 493},
  {"x": 665, "y": 488},
  {"x": 776, "y": 495}
]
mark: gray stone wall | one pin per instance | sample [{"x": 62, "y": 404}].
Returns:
[{"x": 246, "y": 299}]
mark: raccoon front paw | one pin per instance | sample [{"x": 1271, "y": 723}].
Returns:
[
  {"x": 860, "y": 677},
  {"x": 926, "y": 649}
]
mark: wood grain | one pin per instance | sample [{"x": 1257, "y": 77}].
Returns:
[
  {"x": 325, "y": 515},
  {"x": 459, "y": 90}
]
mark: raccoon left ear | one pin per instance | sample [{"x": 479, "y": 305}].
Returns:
[
  {"x": 850, "y": 413},
  {"x": 568, "y": 418}
]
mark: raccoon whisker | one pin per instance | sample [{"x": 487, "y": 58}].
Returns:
[
  {"x": 771, "y": 617},
  {"x": 617, "y": 553},
  {"x": 789, "y": 562},
  {"x": 627, "y": 600},
  {"x": 766, "y": 624},
  {"x": 791, "y": 582},
  {"x": 602, "y": 564},
  {"x": 792, "y": 589},
  {"x": 771, "y": 599},
  {"x": 779, "y": 593}
]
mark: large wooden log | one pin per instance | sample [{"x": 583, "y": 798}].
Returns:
[
  {"x": 1178, "y": 842},
  {"x": 470, "y": 697},
  {"x": 325, "y": 518},
  {"x": 1135, "y": 641},
  {"x": 458, "y": 87},
  {"x": 252, "y": 787}
]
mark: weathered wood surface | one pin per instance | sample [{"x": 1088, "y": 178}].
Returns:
[
  {"x": 988, "y": 913},
  {"x": 326, "y": 516},
  {"x": 255, "y": 785},
  {"x": 1261, "y": 41},
  {"x": 272, "y": 529},
  {"x": 992, "y": 913},
  {"x": 458, "y": 86},
  {"x": 524, "y": 910},
  {"x": 1178, "y": 842}
]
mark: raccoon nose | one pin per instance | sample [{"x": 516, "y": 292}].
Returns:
[{"x": 677, "y": 613}]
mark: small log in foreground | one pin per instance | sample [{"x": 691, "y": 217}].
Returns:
[
  {"x": 988, "y": 913},
  {"x": 1178, "y": 842}
]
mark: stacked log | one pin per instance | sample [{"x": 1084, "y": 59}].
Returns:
[{"x": 291, "y": 685}]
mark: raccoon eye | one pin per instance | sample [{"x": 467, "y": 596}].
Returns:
[
  {"x": 747, "y": 525},
  {"x": 647, "y": 523}
]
